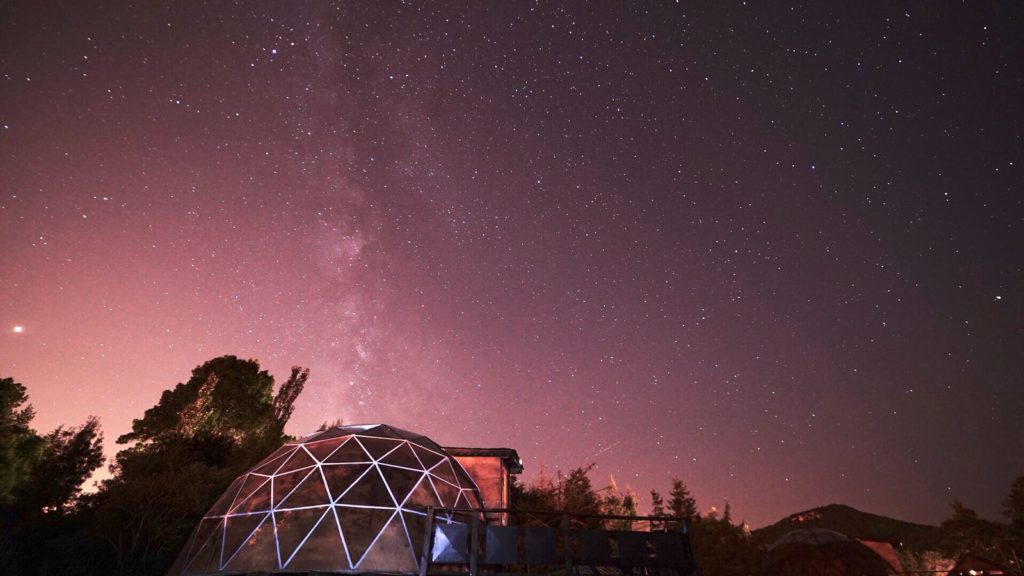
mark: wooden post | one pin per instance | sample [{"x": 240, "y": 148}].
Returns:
[
  {"x": 473, "y": 546},
  {"x": 567, "y": 544}
]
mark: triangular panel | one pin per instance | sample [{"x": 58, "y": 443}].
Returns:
[
  {"x": 323, "y": 550},
  {"x": 205, "y": 552},
  {"x": 422, "y": 496},
  {"x": 414, "y": 525},
  {"x": 293, "y": 528},
  {"x": 369, "y": 490},
  {"x": 340, "y": 477},
  {"x": 300, "y": 459},
  {"x": 444, "y": 472},
  {"x": 378, "y": 447},
  {"x": 321, "y": 450},
  {"x": 285, "y": 483},
  {"x": 254, "y": 495},
  {"x": 401, "y": 481},
  {"x": 327, "y": 434},
  {"x": 446, "y": 492},
  {"x": 350, "y": 451},
  {"x": 258, "y": 553},
  {"x": 402, "y": 456},
  {"x": 224, "y": 502},
  {"x": 360, "y": 527},
  {"x": 311, "y": 492},
  {"x": 429, "y": 458},
  {"x": 392, "y": 551},
  {"x": 270, "y": 465},
  {"x": 240, "y": 530}
]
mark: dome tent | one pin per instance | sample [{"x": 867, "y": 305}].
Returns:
[
  {"x": 820, "y": 552},
  {"x": 347, "y": 499}
]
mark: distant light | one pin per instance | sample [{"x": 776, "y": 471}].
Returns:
[
  {"x": 999, "y": 297},
  {"x": 18, "y": 329}
]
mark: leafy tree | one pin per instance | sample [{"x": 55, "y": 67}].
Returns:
[
  {"x": 70, "y": 456},
  {"x": 1013, "y": 505},
  {"x": 20, "y": 446},
  {"x": 184, "y": 452},
  {"x": 966, "y": 531},
  {"x": 41, "y": 473}
]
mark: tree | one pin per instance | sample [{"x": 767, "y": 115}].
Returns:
[
  {"x": 657, "y": 504},
  {"x": 20, "y": 446},
  {"x": 1013, "y": 505},
  {"x": 184, "y": 452},
  {"x": 70, "y": 456},
  {"x": 965, "y": 531},
  {"x": 657, "y": 509},
  {"x": 577, "y": 495},
  {"x": 237, "y": 403},
  {"x": 616, "y": 503},
  {"x": 42, "y": 473},
  {"x": 680, "y": 503}
]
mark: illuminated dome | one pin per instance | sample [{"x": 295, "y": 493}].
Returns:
[{"x": 347, "y": 499}]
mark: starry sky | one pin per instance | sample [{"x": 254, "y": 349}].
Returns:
[{"x": 772, "y": 248}]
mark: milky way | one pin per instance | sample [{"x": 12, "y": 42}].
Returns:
[{"x": 775, "y": 250}]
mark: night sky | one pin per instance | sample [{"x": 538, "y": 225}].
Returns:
[{"x": 775, "y": 249}]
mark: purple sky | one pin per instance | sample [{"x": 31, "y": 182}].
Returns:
[{"x": 775, "y": 250}]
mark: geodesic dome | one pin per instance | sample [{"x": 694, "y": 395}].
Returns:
[{"x": 348, "y": 499}]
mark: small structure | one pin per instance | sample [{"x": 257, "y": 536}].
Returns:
[{"x": 492, "y": 469}]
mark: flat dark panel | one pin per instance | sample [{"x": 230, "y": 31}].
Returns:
[
  {"x": 594, "y": 548},
  {"x": 670, "y": 549},
  {"x": 502, "y": 545},
  {"x": 539, "y": 544},
  {"x": 633, "y": 548}
]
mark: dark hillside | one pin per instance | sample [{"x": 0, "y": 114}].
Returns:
[{"x": 855, "y": 524}]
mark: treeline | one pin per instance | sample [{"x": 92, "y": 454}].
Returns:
[
  {"x": 723, "y": 548},
  {"x": 178, "y": 458},
  {"x": 185, "y": 450}
]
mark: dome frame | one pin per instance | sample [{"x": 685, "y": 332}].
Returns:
[{"x": 349, "y": 499}]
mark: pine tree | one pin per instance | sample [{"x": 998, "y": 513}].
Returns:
[{"x": 680, "y": 503}]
